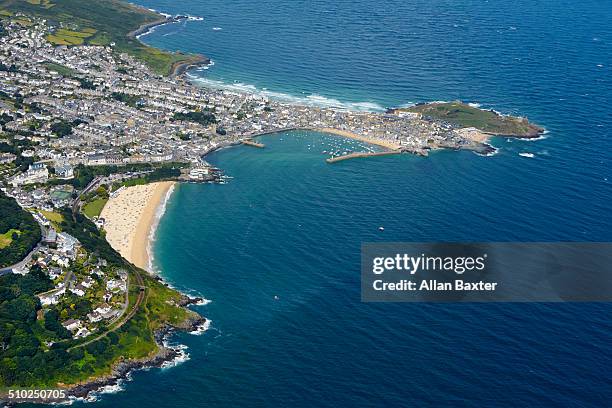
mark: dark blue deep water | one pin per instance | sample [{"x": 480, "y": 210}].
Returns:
[{"x": 290, "y": 225}]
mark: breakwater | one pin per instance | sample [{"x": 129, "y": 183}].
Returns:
[
  {"x": 360, "y": 154},
  {"x": 253, "y": 143}
]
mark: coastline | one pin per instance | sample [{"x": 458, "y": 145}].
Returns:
[
  {"x": 336, "y": 132},
  {"x": 144, "y": 28},
  {"x": 159, "y": 211},
  {"x": 143, "y": 205},
  {"x": 345, "y": 133},
  {"x": 178, "y": 67},
  {"x": 131, "y": 216},
  {"x": 165, "y": 356}
]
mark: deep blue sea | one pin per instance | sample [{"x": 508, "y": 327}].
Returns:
[{"x": 277, "y": 249}]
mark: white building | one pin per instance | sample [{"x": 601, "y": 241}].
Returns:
[
  {"x": 64, "y": 171},
  {"x": 37, "y": 173}
]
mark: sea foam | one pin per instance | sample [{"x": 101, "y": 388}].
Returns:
[
  {"x": 307, "y": 100},
  {"x": 201, "y": 328},
  {"x": 159, "y": 212}
]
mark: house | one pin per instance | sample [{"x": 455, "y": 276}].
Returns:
[
  {"x": 55, "y": 272},
  {"x": 51, "y": 298},
  {"x": 51, "y": 236},
  {"x": 79, "y": 290},
  {"x": 115, "y": 285},
  {"x": 72, "y": 324},
  {"x": 36, "y": 173},
  {"x": 87, "y": 282},
  {"x": 64, "y": 171},
  {"x": 82, "y": 332},
  {"x": 7, "y": 158},
  {"x": 66, "y": 242}
]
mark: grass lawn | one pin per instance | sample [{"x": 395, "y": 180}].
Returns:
[
  {"x": 55, "y": 218},
  {"x": 60, "y": 69},
  {"x": 94, "y": 208},
  {"x": 7, "y": 237},
  {"x": 69, "y": 37},
  {"x": 465, "y": 115}
]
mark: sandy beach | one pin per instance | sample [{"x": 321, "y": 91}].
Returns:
[
  {"x": 129, "y": 217},
  {"x": 474, "y": 135},
  {"x": 378, "y": 142}
]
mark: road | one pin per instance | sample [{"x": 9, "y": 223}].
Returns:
[
  {"x": 126, "y": 317},
  {"x": 76, "y": 204},
  {"x": 28, "y": 258}
]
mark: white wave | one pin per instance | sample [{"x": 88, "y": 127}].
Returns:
[
  {"x": 151, "y": 30},
  {"x": 474, "y": 105},
  {"x": 407, "y": 105},
  {"x": 308, "y": 100},
  {"x": 210, "y": 64},
  {"x": 488, "y": 154},
  {"x": 69, "y": 401},
  {"x": 201, "y": 328},
  {"x": 543, "y": 136},
  {"x": 180, "y": 358},
  {"x": 526, "y": 154},
  {"x": 498, "y": 112},
  {"x": 202, "y": 302},
  {"x": 192, "y": 295},
  {"x": 94, "y": 395},
  {"x": 217, "y": 28},
  {"x": 159, "y": 212},
  {"x": 111, "y": 389}
]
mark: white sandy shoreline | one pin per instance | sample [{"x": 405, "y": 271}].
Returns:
[{"x": 130, "y": 219}]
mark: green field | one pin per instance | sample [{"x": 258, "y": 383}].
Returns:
[
  {"x": 69, "y": 37},
  {"x": 52, "y": 216},
  {"x": 464, "y": 115},
  {"x": 7, "y": 237},
  {"x": 98, "y": 23},
  {"x": 94, "y": 208},
  {"x": 16, "y": 219},
  {"x": 60, "y": 69}
]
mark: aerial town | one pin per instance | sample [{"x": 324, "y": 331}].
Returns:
[{"x": 68, "y": 108}]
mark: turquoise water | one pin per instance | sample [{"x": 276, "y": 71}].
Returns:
[{"x": 289, "y": 225}]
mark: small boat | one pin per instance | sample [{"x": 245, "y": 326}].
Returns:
[{"x": 381, "y": 228}]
